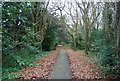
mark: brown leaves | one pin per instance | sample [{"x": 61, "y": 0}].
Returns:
[
  {"x": 80, "y": 65},
  {"x": 43, "y": 70}
]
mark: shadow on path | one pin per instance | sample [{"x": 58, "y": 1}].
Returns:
[{"x": 61, "y": 69}]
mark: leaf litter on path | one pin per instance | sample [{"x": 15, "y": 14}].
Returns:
[
  {"x": 44, "y": 68},
  {"x": 81, "y": 66}
]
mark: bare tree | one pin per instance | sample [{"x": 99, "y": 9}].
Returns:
[
  {"x": 89, "y": 16},
  {"x": 72, "y": 11}
]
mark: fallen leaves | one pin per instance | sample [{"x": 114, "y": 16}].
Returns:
[
  {"x": 43, "y": 70},
  {"x": 81, "y": 66}
]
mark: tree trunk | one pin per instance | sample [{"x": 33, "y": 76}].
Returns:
[
  {"x": 74, "y": 43},
  {"x": 118, "y": 24},
  {"x": 118, "y": 35},
  {"x": 86, "y": 39},
  {"x": 107, "y": 23}
]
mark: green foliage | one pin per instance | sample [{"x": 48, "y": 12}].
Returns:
[
  {"x": 51, "y": 37},
  {"x": 105, "y": 53},
  {"x": 20, "y": 44},
  {"x": 80, "y": 43},
  {"x": 97, "y": 39},
  {"x": 18, "y": 39},
  {"x": 109, "y": 61},
  {"x": 7, "y": 76}
]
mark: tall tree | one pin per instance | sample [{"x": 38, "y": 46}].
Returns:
[
  {"x": 118, "y": 23},
  {"x": 107, "y": 21},
  {"x": 72, "y": 31},
  {"x": 39, "y": 18},
  {"x": 89, "y": 16}
]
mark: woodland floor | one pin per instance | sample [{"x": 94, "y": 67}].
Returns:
[
  {"x": 63, "y": 60},
  {"x": 43, "y": 70},
  {"x": 81, "y": 66}
]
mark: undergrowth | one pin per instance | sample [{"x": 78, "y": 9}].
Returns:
[{"x": 23, "y": 58}]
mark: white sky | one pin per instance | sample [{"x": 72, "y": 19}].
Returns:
[{"x": 63, "y": 12}]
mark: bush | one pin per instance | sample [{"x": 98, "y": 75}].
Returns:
[{"x": 108, "y": 58}]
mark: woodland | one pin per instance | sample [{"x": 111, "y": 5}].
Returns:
[{"x": 34, "y": 30}]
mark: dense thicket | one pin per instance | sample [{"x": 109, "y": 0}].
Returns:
[{"x": 28, "y": 28}]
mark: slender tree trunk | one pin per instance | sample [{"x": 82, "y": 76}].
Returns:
[
  {"x": 107, "y": 24},
  {"x": 118, "y": 24},
  {"x": 32, "y": 21},
  {"x": 87, "y": 26},
  {"x": 74, "y": 43},
  {"x": 118, "y": 35},
  {"x": 86, "y": 39}
]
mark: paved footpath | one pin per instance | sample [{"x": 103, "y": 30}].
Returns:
[{"x": 61, "y": 69}]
